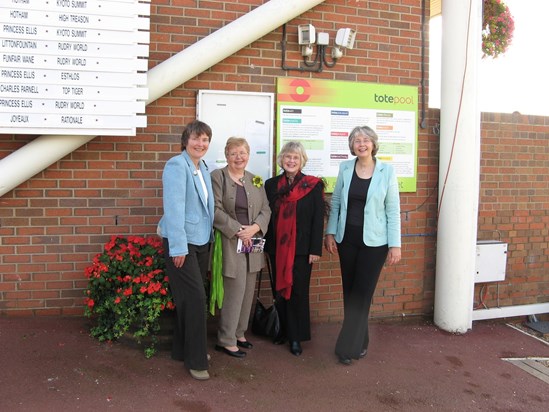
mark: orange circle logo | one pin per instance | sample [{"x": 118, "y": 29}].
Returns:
[{"x": 301, "y": 90}]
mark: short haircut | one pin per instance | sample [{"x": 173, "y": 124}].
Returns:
[
  {"x": 234, "y": 141},
  {"x": 197, "y": 128},
  {"x": 366, "y": 132},
  {"x": 292, "y": 147}
]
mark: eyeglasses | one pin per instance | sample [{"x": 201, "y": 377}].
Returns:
[
  {"x": 362, "y": 141},
  {"x": 234, "y": 155},
  {"x": 291, "y": 156}
]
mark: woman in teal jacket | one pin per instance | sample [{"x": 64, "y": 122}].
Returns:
[{"x": 364, "y": 228}]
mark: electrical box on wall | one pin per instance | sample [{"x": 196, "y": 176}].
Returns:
[{"x": 491, "y": 261}]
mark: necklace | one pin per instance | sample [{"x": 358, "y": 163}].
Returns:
[
  {"x": 236, "y": 179},
  {"x": 365, "y": 171}
]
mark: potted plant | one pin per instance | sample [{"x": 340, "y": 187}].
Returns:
[
  {"x": 128, "y": 290},
  {"x": 498, "y": 27}
]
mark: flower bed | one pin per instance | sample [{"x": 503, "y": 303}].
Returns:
[{"x": 128, "y": 289}]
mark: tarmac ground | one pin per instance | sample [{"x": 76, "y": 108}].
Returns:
[{"x": 52, "y": 364}]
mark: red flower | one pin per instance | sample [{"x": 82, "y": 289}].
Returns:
[{"x": 127, "y": 263}]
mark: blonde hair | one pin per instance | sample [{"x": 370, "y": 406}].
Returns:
[
  {"x": 292, "y": 147},
  {"x": 234, "y": 141}
]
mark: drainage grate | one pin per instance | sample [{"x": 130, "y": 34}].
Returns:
[{"x": 539, "y": 367}]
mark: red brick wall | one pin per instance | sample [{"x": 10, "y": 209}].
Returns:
[
  {"x": 514, "y": 206},
  {"x": 52, "y": 225}
]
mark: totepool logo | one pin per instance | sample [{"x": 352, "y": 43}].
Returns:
[
  {"x": 301, "y": 90},
  {"x": 385, "y": 98}
]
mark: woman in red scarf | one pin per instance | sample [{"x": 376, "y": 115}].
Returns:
[{"x": 294, "y": 241}]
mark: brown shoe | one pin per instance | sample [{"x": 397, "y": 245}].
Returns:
[{"x": 202, "y": 375}]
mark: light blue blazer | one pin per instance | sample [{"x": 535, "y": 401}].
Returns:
[
  {"x": 382, "y": 209},
  {"x": 188, "y": 216}
]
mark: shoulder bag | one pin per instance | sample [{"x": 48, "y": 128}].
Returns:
[{"x": 265, "y": 321}]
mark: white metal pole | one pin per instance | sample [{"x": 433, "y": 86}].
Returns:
[{"x": 459, "y": 163}]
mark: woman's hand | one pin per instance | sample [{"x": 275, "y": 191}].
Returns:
[
  {"x": 178, "y": 261},
  {"x": 330, "y": 244},
  {"x": 393, "y": 257},
  {"x": 313, "y": 259},
  {"x": 246, "y": 233}
]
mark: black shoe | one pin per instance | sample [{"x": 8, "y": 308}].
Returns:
[
  {"x": 279, "y": 341},
  {"x": 236, "y": 354},
  {"x": 295, "y": 348},
  {"x": 344, "y": 360},
  {"x": 363, "y": 353},
  {"x": 246, "y": 344}
]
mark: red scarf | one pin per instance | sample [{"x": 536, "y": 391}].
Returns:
[{"x": 286, "y": 232}]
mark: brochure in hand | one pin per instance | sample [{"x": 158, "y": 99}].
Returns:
[{"x": 258, "y": 243}]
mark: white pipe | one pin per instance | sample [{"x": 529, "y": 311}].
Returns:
[
  {"x": 34, "y": 157},
  {"x": 459, "y": 171},
  {"x": 511, "y": 311},
  {"x": 43, "y": 151},
  {"x": 225, "y": 42}
]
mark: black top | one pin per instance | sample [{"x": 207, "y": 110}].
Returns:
[{"x": 358, "y": 192}]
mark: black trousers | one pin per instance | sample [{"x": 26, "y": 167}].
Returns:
[
  {"x": 361, "y": 266},
  {"x": 187, "y": 288},
  {"x": 294, "y": 314}
]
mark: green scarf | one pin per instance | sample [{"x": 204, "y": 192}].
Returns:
[{"x": 216, "y": 286}]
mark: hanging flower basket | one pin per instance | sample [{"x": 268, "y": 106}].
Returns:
[
  {"x": 498, "y": 27},
  {"x": 128, "y": 290}
]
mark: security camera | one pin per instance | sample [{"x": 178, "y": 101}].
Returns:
[
  {"x": 306, "y": 34},
  {"x": 345, "y": 38}
]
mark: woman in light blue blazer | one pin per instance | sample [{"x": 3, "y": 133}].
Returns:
[
  {"x": 187, "y": 230},
  {"x": 364, "y": 228}
]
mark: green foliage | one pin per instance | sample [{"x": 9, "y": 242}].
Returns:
[{"x": 128, "y": 289}]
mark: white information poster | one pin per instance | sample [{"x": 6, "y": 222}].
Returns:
[{"x": 240, "y": 114}]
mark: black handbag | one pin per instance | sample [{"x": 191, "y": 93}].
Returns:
[{"x": 265, "y": 321}]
